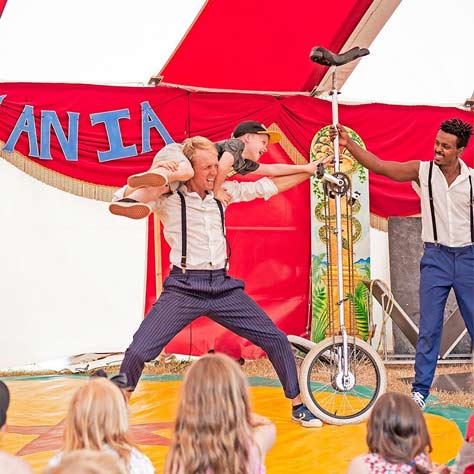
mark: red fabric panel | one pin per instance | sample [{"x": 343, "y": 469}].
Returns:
[
  {"x": 392, "y": 132},
  {"x": 2, "y": 6},
  {"x": 261, "y": 46}
]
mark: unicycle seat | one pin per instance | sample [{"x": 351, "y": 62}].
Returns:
[{"x": 325, "y": 57}]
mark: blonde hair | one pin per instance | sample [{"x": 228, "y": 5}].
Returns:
[
  {"x": 97, "y": 416},
  {"x": 213, "y": 430},
  {"x": 191, "y": 145},
  {"x": 86, "y": 461}
]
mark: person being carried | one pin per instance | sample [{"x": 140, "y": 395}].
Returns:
[
  {"x": 445, "y": 186},
  {"x": 215, "y": 429},
  {"x": 237, "y": 155},
  {"x": 198, "y": 283}
]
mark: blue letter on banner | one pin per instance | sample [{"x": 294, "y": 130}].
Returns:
[
  {"x": 25, "y": 123},
  {"x": 49, "y": 119},
  {"x": 149, "y": 120},
  {"x": 111, "y": 122}
]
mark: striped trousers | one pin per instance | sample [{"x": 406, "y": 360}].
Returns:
[{"x": 221, "y": 298}]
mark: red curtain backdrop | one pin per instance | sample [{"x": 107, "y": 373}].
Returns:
[{"x": 270, "y": 241}]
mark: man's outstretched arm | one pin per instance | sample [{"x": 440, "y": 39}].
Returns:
[
  {"x": 267, "y": 187},
  {"x": 283, "y": 183},
  {"x": 398, "y": 171}
]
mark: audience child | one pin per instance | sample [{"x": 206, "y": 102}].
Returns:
[
  {"x": 215, "y": 430},
  {"x": 97, "y": 419},
  {"x": 398, "y": 439}
]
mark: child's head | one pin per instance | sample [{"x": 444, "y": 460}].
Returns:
[
  {"x": 397, "y": 429},
  {"x": 86, "y": 461},
  {"x": 98, "y": 415},
  {"x": 256, "y": 138},
  {"x": 4, "y": 402},
  {"x": 213, "y": 424}
]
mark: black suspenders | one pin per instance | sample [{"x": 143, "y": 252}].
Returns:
[
  {"x": 184, "y": 233},
  {"x": 471, "y": 201},
  {"x": 433, "y": 219}
]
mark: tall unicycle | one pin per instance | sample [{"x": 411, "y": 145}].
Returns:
[{"x": 342, "y": 376}]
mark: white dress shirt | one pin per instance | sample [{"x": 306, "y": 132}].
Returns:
[
  {"x": 206, "y": 245},
  {"x": 451, "y": 204}
]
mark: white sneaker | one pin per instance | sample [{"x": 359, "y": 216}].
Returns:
[{"x": 419, "y": 399}]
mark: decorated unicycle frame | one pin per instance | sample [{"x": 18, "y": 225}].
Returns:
[{"x": 342, "y": 376}]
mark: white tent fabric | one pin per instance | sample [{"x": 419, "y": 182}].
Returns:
[{"x": 422, "y": 55}]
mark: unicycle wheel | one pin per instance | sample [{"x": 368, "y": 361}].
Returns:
[{"x": 320, "y": 381}]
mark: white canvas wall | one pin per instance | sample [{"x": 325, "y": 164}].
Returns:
[{"x": 72, "y": 276}]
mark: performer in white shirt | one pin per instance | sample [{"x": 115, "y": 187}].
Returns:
[
  {"x": 198, "y": 283},
  {"x": 445, "y": 186}
]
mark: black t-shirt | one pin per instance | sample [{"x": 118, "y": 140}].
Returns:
[{"x": 236, "y": 147}]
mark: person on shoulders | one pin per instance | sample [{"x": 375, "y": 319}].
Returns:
[{"x": 237, "y": 155}]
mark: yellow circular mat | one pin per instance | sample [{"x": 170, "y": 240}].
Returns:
[{"x": 38, "y": 407}]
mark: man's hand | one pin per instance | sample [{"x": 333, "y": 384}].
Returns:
[
  {"x": 223, "y": 196},
  {"x": 341, "y": 131},
  {"x": 169, "y": 165}
]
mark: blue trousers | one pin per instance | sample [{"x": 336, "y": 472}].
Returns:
[
  {"x": 441, "y": 268},
  {"x": 213, "y": 293}
]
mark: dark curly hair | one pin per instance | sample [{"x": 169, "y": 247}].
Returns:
[{"x": 462, "y": 130}]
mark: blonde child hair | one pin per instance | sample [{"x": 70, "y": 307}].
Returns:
[
  {"x": 98, "y": 416},
  {"x": 214, "y": 428}
]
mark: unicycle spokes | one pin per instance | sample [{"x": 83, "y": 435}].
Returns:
[{"x": 336, "y": 397}]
